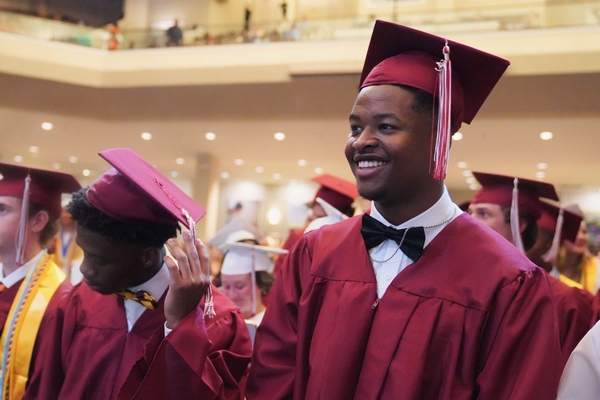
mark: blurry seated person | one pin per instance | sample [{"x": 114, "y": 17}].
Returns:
[{"x": 137, "y": 326}]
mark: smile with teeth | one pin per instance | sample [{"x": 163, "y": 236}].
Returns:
[{"x": 370, "y": 164}]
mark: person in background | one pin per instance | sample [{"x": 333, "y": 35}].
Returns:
[
  {"x": 32, "y": 286},
  {"x": 67, "y": 255},
  {"x": 494, "y": 205},
  {"x": 174, "y": 35},
  {"x": 575, "y": 261},
  {"x": 336, "y": 192},
  {"x": 246, "y": 277},
  {"x": 136, "y": 327},
  {"x": 416, "y": 300}
]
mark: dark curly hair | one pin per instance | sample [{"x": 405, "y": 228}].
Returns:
[
  {"x": 144, "y": 233},
  {"x": 264, "y": 280}
]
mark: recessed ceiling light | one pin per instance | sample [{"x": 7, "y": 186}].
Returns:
[
  {"x": 210, "y": 136},
  {"x": 47, "y": 126},
  {"x": 225, "y": 175},
  {"x": 180, "y": 161},
  {"x": 33, "y": 149},
  {"x": 18, "y": 158},
  {"x": 279, "y": 136},
  {"x": 471, "y": 180},
  {"x": 239, "y": 161},
  {"x": 277, "y": 176},
  {"x": 540, "y": 174},
  {"x": 318, "y": 170},
  {"x": 467, "y": 173},
  {"x": 457, "y": 136},
  {"x": 56, "y": 165},
  {"x": 542, "y": 165},
  {"x": 302, "y": 163},
  {"x": 86, "y": 172},
  {"x": 473, "y": 186},
  {"x": 174, "y": 174},
  {"x": 72, "y": 159},
  {"x": 259, "y": 170},
  {"x": 462, "y": 164},
  {"x": 146, "y": 136},
  {"x": 546, "y": 135}
]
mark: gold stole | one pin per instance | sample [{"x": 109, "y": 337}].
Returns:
[
  {"x": 589, "y": 271},
  {"x": 569, "y": 282},
  {"x": 23, "y": 323}
]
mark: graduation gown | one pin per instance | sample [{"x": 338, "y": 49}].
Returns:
[
  {"x": 96, "y": 358},
  {"x": 575, "y": 315},
  {"x": 471, "y": 319}
]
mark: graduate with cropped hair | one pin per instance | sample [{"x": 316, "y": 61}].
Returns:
[
  {"x": 416, "y": 300},
  {"x": 145, "y": 323}
]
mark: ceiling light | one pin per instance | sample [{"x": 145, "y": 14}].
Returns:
[
  {"x": 225, "y": 175},
  {"x": 546, "y": 135},
  {"x": 259, "y": 170},
  {"x": 86, "y": 172},
  {"x": 471, "y": 180},
  {"x": 302, "y": 163},
  {"x": 47, "y": 126},
  {"x": 180, "y": 161},
  {"x": 239, "y": 161},
  {"x": 210, "y": 136},
  {"x": 473, "y": 186},
  {"x": 467, "y": 173},
  {"x": 542, "y": 165},
  {"x": 18, "y": 158},
  {"x": 279, "y": 136},
  {"x": 277, "y": 176},
  {"x": 56, "y": 165},
  {"x": 146, "y": 136},
  {"x": 274, "y": 216},
  {"x": 33, "y": 149},
  {"x": 72, "y": 159},
  {"x": 457, "y": 136},
  {"x": 174, "y": 174},
  {"x": 318, "y": 170},
  {"x": 462, "y": 164},
  {"x": 540, "y": 174}
]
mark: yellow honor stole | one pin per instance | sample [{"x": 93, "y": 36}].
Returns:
[{"x": 23, "y": 323}]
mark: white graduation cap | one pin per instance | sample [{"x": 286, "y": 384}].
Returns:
[
  {"x": 243, "y": 258},
  {"x": 237, "y": 223},
  {"x": 333, "y": 215}
]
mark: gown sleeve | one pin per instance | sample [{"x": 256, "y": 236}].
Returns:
[
  {"x": 200, "y": 358},
  {"x": 273, "y": 368},
  {"x": 521, "y": 350}
]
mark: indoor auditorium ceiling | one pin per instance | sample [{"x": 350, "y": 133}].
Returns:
[{"x": 311, "y": 111}]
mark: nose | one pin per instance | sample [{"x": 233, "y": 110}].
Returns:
[
  {"x": 366, "y": 139},
  {"x": 86, "y": 270}
]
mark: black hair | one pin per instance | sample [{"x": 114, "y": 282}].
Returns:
[
  {"x": 264, "y": 281},
  {"x": 144, "y": 233},
  {"x": 529, "y": 235}
]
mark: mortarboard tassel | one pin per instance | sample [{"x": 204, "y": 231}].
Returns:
[
  {"x": 514, "y": 218},
  {"x": 552, "y": 253},
  {"x": 22, "y": 231},
  {"x": 443, "y": 132}
]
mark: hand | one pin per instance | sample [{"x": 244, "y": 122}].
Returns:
[{"x": 188, "y": 280}]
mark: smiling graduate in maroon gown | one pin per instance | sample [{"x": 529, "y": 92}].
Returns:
[
  {"x": 418, "y": 300},
  {"x": 152, "y": 339}
]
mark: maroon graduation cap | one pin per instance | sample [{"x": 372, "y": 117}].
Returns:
[
  {"x": 45, "y": 187},
  {"x": 336, "y": 191},
  {"x": 458, "y": 76},
  {"x": 134, "y": 190},
  {"x": 549, "y": 217}
]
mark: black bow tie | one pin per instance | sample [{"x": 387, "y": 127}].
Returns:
[{"x": 411, "y": 240}]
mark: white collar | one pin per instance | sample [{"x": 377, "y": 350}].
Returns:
[
  {"x": 156, "y": 285},
  {"x": 20, "y": 272}
]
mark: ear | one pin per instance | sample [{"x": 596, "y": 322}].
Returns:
[
  {"x": 38, "y": 221},
  {"x": 150, "y": 257}
]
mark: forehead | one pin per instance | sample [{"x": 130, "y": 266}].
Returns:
[
  {"x": 484, "y": 206},
  {"x": 10, "y": 200},
  {"x": 384, "y": 96},
  {"x": 237, "y": 278},
  {"x": 98, "y": 244}
]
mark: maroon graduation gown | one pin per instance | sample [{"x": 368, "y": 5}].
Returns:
[
  {"x": 472, "y": 318},
  {"x": 575, "y": 315},
  {"x": 98, "y": 359}
]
